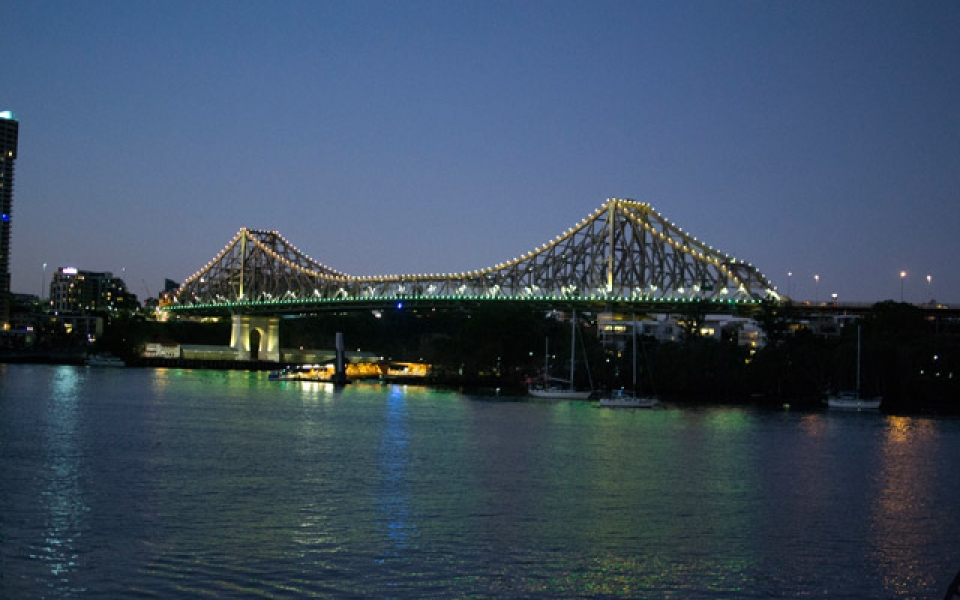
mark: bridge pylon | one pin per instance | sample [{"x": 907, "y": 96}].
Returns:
[{"x": 256, "y": 337}]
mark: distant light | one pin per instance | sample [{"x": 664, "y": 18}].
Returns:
[
  {"x": 5, "y": 218},
  {"x": 69, "y": 270},
  {"x": 399, "y": 305}
]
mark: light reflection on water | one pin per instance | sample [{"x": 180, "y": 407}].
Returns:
[
  {"x": 192, "y": 483},
  {"x": 906, "y": 516},
  {"x": 394, "y": 521},
  {"x": 61, "y": 499}
]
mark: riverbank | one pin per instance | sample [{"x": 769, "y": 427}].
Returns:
[{"x": 921, "y": 403}]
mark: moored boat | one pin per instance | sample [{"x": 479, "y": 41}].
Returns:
[
  {"x": 304, "y": 373},
  {"x": 850, "y": 399},
  {"x": 558, "y": 393},
  {"x": 104, "y": 360},
  {"x": 626, "y": 399},
  {"x": 550, "y": 390}
]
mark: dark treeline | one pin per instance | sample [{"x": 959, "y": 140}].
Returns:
[
  {"x": 908, "y": 359},
  {"x": 913, "y": 362}
]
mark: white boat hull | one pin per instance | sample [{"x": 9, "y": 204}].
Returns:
[
  {"x": 558, "y": 394},
  {"x": 854, "y": 403}
]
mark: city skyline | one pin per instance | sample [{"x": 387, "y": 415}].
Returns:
[{"x": 820, "y": 142}]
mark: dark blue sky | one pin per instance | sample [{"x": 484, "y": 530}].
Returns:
[{"x": 814, "y": 137}]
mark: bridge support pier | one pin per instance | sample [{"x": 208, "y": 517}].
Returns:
[{"x": 256, "y": 338}]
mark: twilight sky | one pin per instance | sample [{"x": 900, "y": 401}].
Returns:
[{"x": 814, "y": 137}]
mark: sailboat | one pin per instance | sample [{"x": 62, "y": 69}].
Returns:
[
  {"x": 850, "y": 399},
  {"x": 629, "y": 399},
  {"x": 549, "y": 389}
]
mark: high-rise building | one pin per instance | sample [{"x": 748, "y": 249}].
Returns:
[
  {"x": 9, "y": 129},
  {"x": 76, "y": 291}
]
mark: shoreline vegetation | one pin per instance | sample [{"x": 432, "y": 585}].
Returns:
[{"x": 913, "y": 362}]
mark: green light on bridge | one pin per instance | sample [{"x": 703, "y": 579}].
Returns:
[{"x": 454, "y": 298}]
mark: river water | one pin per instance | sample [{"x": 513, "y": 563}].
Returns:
[{"x": 179, "y": 483}]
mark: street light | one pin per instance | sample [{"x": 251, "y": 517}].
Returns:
[
  {"x": 789, "y": 284},
  {"x": 43, "y": 280},
  {"x": 816, "y": 295},
  {"x": 929, "y": 291},
  {"x": 903, "y": 275}
]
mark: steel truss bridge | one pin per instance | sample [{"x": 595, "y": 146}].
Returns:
[{"x": 624, "y": 253}]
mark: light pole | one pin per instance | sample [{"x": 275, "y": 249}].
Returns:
[
  {"x": 789, "y": 284},
  {"x": 43, "y": 280},
  {"x": 929, "y": 290},
  {"x": 903, "y": 275},
  {"x": 816, "y": 294}
]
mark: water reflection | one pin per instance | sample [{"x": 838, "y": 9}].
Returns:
[
  {"x": 313, "y": 390},
  {"x": 61, "y": 500},
  {"x": 160, "y": 381},
  {"x": 813, "y": 424},
  {"x": 718, "y": 516},
  {"x": 394, "y": 521},
  {"x": 200, "y": 487},
  {"x": 903, "y": 520}
]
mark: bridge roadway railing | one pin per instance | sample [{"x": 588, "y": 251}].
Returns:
[{"x": 289, "y": 306}]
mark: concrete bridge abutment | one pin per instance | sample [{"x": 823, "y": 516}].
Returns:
[{"x": 256, "y": 337}]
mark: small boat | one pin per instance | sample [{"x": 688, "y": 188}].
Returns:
[
  {"x": 304, "y": 373},
  {"x": 552, "y": 391},
  {"x": 850, "y": 399},
  {"x": 393, "y": 372},
  {"x": 104, "y": 360},
  {"x": 558, "y": 393},
  {"x": 626, "y": 399}
]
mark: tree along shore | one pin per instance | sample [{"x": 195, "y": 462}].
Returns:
[{"x": 912, "y": 362}]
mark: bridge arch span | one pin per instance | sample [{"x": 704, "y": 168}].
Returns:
[{"x": 624, "y": 251}]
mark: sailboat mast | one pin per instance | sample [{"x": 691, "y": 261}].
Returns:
[
  {"x": 546, "y": 362},
  {"x": 858, "y": 359},
  {"x": 573, "y": 344},
  {"x": 633, "y": 317}
]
